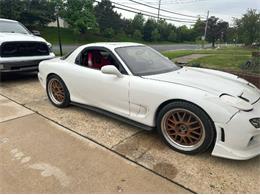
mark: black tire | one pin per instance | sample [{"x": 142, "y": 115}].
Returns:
[
  {"x": 58, "y": 102},
  {"x": 195, "y": 135}
]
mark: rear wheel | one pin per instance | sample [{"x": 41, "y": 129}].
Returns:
[
  {"x": 57, "y": 92},
  {"x": 185, "y": 127}
]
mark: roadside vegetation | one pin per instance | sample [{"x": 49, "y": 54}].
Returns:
[
  {"x": 226, "y": 58},
  {"x": 69, "y": 37},
  {"x": 90, "y": 21}
]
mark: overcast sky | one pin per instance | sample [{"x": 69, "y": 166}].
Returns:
[{"x": 224, "y": 9}]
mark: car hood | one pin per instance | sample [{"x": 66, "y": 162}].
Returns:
[
  {"x": 6, "y": 37},
  {"x": 215, "y": 82}
]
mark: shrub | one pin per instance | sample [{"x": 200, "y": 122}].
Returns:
[
  {"x": 109, "y": 32},
  {"x": 137, "y": 35}
]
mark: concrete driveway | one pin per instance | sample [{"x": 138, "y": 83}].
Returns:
[
  {"x": 201, "y": 173},
  {"x": 39, "y": 156}
]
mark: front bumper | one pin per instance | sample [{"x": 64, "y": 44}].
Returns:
[
  {"x": 20, "y": 64},
  {"x": 238, "y": 139},
  {"x": 42, "y": 80}
]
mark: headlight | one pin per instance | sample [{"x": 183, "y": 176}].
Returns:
[
  {"x": 236, "y": 102},
  {"x": 255, "y": 122}
]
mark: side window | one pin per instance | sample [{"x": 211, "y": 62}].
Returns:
[{"x": 96, "y": 59}]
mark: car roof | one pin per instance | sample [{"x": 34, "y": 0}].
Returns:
[
  {"x": 7, "y": 20},
  {"x": 112, "y": 45}
]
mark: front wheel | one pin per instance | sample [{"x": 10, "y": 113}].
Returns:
[
  {"x": 185, "y": 127},
  {"x": 57, "y": 92}
]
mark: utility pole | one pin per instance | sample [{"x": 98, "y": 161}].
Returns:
[
  {"x": 205, "y": 32},
  {"x": 58, "y": 25},
  {"x": 159, "y": 9},
  {"x": 206, "y": 27}
]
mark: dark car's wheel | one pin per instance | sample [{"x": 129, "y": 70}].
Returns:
[
  {"x": 185, "y": 127},
  {"x": 57, "y": 92}
]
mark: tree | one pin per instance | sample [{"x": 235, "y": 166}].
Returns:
[
  {"x": 155, "y": 35},
  {"x": 212, "y": 30},
  {"x": 172, "y": 36},
  {"x": 79, "y": 14},
  {"x": 198, "y": 29},
  {"x": 127, "y": 25},
  {"x": 164, "y": 29},
  {"x": 216, "y": 30},
  {"x": 11, "y": 9},
  {"x": 184, "y": 34},
  {"x": 248, "y": 27},
  {"x": 223, "y": 30},
  {"x": 38, "y": 13},
  {"x": 137, "y": 35},
  {"x": 232, "y": 35},
  {"x": 138, "y": 22},
  {"x": 106, "y": 17},
  {"x": 109, "y": 32},
  {"x": 149, "y": 26},
  {"x": 31, "y": 12}
]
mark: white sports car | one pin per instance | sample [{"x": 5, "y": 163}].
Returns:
[{"x": 193, "y": 109}]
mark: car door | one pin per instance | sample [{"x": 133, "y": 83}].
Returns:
[{"x": 104, "y": 91}]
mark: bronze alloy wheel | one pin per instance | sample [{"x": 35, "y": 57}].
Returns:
[
  {"x": 183, "y": 129},
  {"x": 56, "y": 91}
]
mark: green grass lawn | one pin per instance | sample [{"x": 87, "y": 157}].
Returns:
[
  {"x": 225, "y": 58},
  {"x": 223, "y": 61},
  {"x": 226, "y": 50}
]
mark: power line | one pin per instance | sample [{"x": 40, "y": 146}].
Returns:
[
  {"x": 153, "y": 16},
  {"x": 165, "y": 16},
  {"x": 171, "y": 2},
  {"x": 149, "y": 15},
  {"x": 163, "y": 9}
]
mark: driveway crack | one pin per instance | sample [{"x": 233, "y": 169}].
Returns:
[{"x": 129, "y": 137}]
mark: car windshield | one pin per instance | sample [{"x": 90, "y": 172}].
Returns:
[
  {"x": 12, "y": 27},
  {"x": 142, "y": 60}
]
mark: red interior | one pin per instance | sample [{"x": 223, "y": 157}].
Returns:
[{"x": 95, "y": 60}]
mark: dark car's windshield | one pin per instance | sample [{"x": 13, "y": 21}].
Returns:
[
  {"x": 12, "y": 27},
  {"x": 142, "y": 60}
]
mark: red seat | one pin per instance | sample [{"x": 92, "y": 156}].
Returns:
[
  {"x": 105, "y": 62},
  {"x": 90, "y": 60},
  {"x": 96, "y": 60}
]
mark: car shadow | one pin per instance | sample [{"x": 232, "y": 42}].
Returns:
[{"x": 18, "y": 76}]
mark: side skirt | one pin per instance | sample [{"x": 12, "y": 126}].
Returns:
[{"x": 115, "y": 116}]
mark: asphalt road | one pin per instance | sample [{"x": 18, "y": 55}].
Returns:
[
  {"x": 159, "y": 47},
  {"x": 200, "y": 173}
]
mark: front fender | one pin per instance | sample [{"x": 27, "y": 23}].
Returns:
[{"x": 154, "y": 96}]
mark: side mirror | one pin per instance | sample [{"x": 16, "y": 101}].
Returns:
[
  {"x": 36, "y": 32},
  {"x": 110, "y": 69}
]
